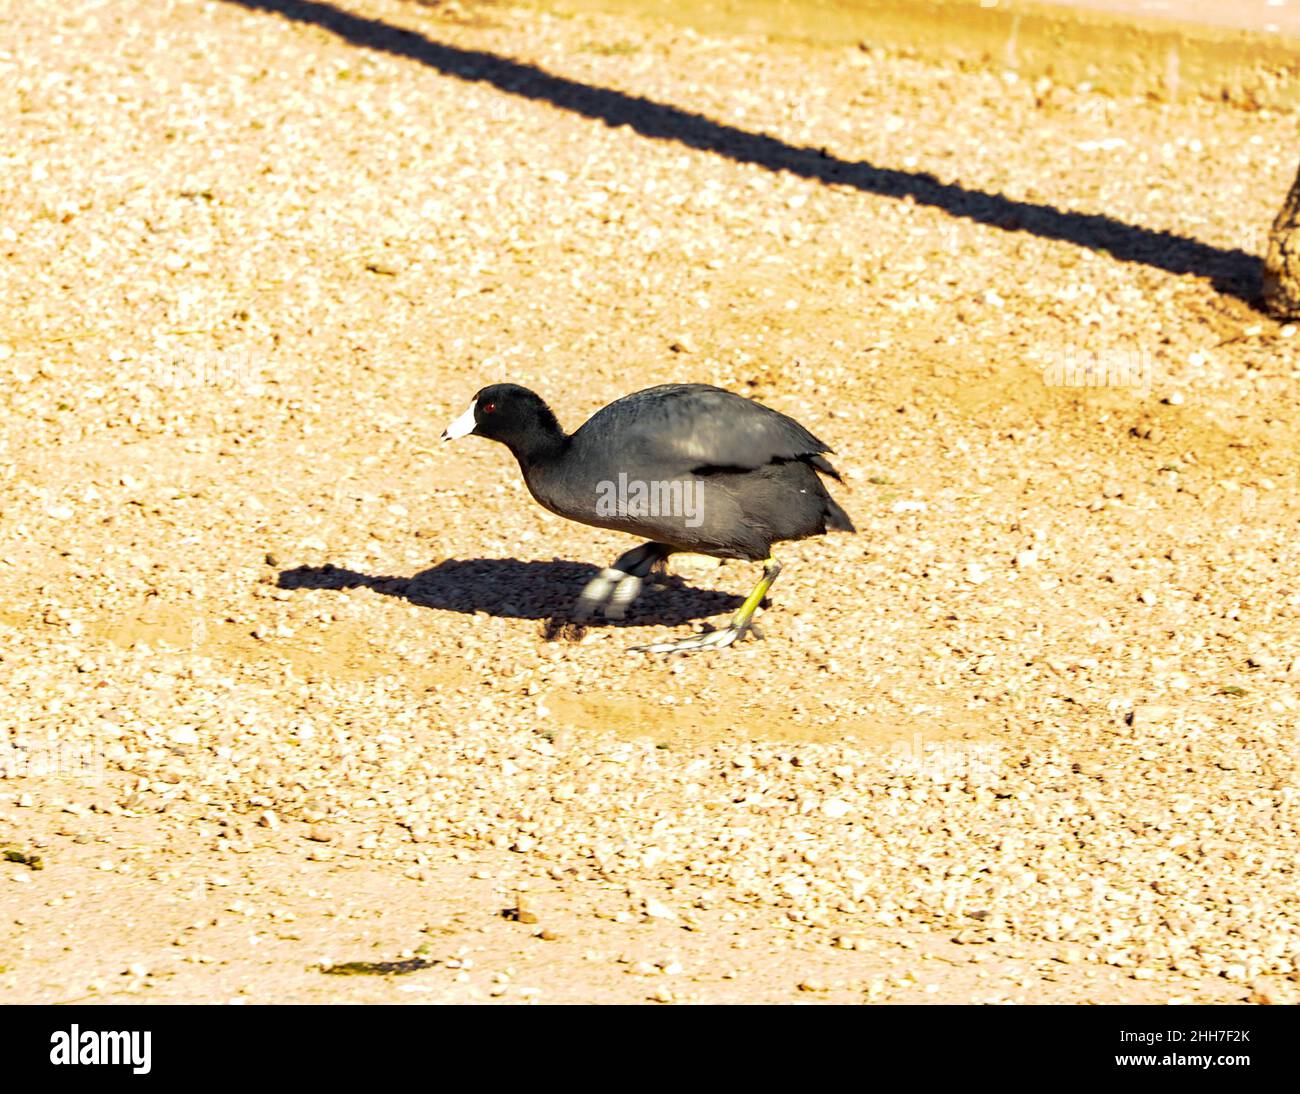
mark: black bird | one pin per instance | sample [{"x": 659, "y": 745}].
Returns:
[{"x": 690, "y": 466}]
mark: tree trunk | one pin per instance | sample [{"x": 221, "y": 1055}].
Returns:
[{"x": 1282, "y": 265}]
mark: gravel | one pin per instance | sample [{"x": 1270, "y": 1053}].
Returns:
[{"x": 255, "y": 621}]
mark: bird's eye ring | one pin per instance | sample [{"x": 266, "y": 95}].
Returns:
[{"x": 488, "y": 408}]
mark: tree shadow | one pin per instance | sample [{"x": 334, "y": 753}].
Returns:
[
  {"x": 510, "y": 589},
  {"x": 1231, "y": 271}
]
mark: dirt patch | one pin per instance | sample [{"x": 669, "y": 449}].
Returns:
[{"x": 1192, "y": 50}]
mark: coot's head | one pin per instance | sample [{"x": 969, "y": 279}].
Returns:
[{"x": 513, "y": 415}]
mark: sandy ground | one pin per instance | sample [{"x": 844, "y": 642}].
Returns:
[
  {"x": 278, "y": 699},
  {"x": 1281, "y": 16}
]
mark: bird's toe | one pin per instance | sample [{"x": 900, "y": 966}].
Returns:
[
  {"x": 708, "y": 640},
  {"x": 622, "y": 596},
  {"x": 597, "y": 592}
]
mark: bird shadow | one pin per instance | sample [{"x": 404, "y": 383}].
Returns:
[{"x": 510, "y": 589}]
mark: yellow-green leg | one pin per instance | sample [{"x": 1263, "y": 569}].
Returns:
[{"x": 741, "y": 622}]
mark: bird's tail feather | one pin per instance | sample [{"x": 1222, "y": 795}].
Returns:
[
  {"x": 837, "y": 519},
  {"x": 823, "y": 465}
]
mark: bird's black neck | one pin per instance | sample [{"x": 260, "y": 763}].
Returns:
[{"x": 540, "y": 442}]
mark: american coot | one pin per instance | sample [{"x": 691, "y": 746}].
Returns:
[{"x": 693, "y": 467}]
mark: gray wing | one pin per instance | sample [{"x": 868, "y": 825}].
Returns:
[{"x": 692, "y": 426}]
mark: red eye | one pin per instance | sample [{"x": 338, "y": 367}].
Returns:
[{"x": 488, "y": 408}]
